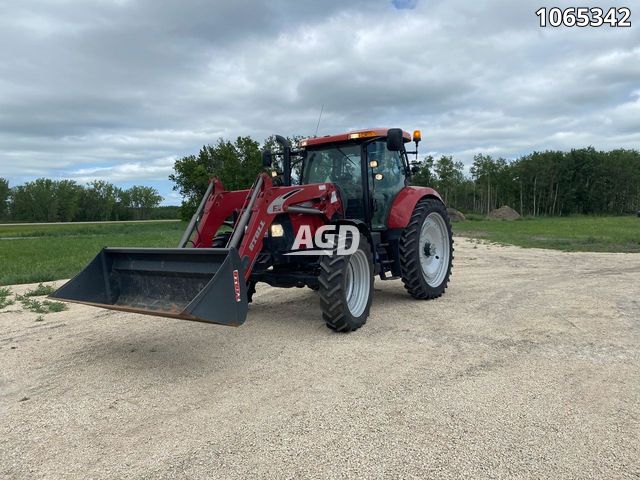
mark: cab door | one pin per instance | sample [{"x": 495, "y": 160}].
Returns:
[{"x": 387, "y": 178}]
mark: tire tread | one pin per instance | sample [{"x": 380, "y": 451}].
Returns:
[
  {"x": 410, "y": 267},
  {"x": 332, "y": 298}
]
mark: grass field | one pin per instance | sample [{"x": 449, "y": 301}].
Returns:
[
  {"x": 30, "y": 254},
  {"x": 580, "y": 233}
]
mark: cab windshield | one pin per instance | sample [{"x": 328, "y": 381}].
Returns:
[{"x": 340, "y": 165}]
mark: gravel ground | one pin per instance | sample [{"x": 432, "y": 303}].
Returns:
[{"x": 529, "y": 366}]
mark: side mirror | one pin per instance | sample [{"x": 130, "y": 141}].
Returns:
[
  {"x": 394, "y": 139},
  {"x": 267, "y": 158}
]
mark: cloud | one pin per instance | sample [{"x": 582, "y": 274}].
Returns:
[
  {"x": 402, "y": 4},
  {"x": 125, "y": 172},
  {"x": 118, "y": 89}
]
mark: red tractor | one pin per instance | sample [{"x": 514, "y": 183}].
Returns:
[{"x": 350, "y": 214}]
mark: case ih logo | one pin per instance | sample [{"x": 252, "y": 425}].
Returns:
[
  {"x": 328, "y": 240},
  {"x": 236, "y": 285}
]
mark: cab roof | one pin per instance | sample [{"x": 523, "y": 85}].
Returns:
[{"x": 354, "y": 135}]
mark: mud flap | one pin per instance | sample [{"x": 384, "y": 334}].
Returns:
[{"x": 200, "y": 284}]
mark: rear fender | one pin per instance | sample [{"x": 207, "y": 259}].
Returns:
[{"x": 404, "y": 203}]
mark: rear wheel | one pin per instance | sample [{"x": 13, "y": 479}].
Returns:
[
  {"x": 426, "y": 250},
  {"x": 346, "y": 288}
]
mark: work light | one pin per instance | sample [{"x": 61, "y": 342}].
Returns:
[{"x": 277, "y": 230}]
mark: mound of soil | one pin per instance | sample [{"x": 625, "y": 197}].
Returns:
[
  {"x": 456, "y": 215},
  {"x": 504, "y": 213}
]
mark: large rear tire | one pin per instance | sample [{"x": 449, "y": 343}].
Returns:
[
  {"x": 346, "y": 288},
  {"x": 426, "y": 250}
]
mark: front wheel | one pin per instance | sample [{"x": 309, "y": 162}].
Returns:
[
  {"x": 346, "y": 288},
  {"x": 426, "y": 250}
]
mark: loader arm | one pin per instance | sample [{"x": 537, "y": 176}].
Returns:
[
  {"x": 319, "y": 199},
  {"x": 203, "y": 283}
]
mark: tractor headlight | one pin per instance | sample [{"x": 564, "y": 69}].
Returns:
[{"x": 277, "y": 230}]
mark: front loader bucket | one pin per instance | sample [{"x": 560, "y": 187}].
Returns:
[{"x": 201, "y": 284}]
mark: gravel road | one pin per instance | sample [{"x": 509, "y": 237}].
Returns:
[{"x": 529, "y": 366}]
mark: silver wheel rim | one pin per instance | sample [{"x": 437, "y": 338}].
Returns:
[
  {"x": 357, "y": 283},
  {"x": 434, "y": 249}
]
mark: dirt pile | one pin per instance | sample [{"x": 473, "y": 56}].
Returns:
[
  {"x": 456, "y": 215},
  {"x": 504, "y": 213}
]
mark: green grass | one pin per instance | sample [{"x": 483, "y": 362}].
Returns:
[
  {"x": 579, "y": 233},
  {"x": 45, "y": 306},
  {"x": 41, "y": 253},
  {"x": 40, "y": 291},
  {"x": 30, "y": 254},
  {"x": 5, "y": 301}
]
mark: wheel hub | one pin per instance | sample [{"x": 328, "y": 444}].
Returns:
[
  {"x": 434, "y": 249},
  {"x": 429, "y": 249}
]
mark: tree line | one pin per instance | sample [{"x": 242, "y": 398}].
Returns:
[
  {"x": 46, "y": 200},
  {"x": 581, "y": 181}
]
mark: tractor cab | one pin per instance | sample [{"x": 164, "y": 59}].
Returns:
[{"x": 368, "y": 167}]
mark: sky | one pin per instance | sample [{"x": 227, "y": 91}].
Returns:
[{"x": 119, "y": 89}]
